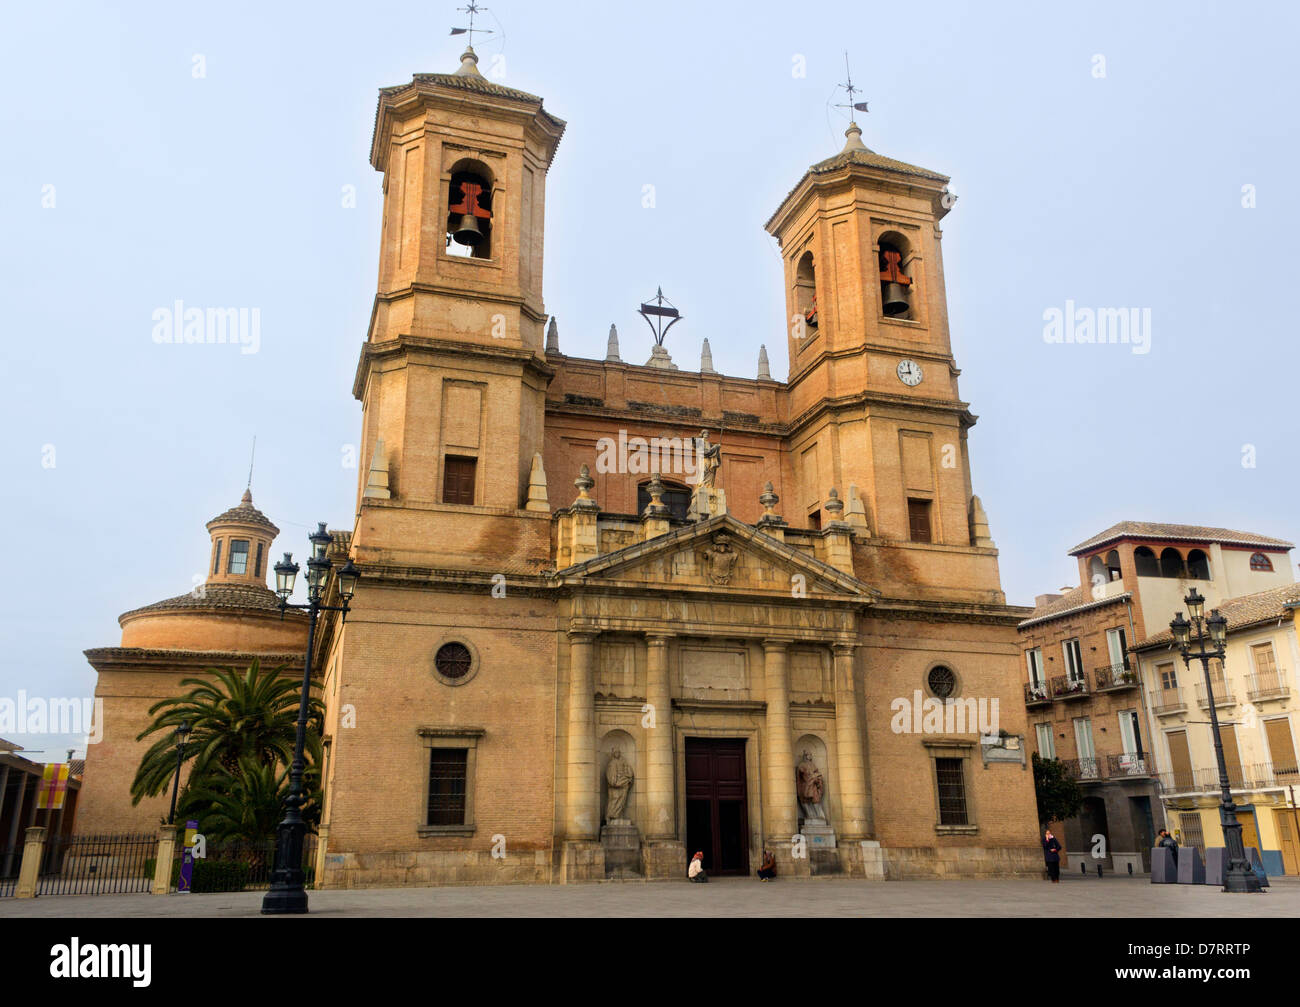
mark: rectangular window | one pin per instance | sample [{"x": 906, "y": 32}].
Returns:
[
  {"x": 1117, "y": 646},
  {"x": 1282, "y": 750},
  {"x": 1265, "y": 663},
  {"x": 918, "y": 520},
  {"x": 1180, "y": 760},
  {"x": 238, "y": 557},
  {"x": 257, "y": 569},
  {"x": 952, "y": 791},
  {"x": 447, "y": 772},
  {"x": 1046, "y": 742},
  {"x": 1073, "y": 660},
  {"x": 1168, "y": 676},
  {"x": 1130, "y": 733},
  {"x": 1034, "y": 658},
  {"x": 1190, "y": 826},
  {"x": 815, "y": 520},
  {"x": 216, "y": 558},
  {"x": 458, "y": 480}
]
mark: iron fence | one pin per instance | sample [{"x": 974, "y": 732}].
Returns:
[
  {"x": 241, "y": 865},
  {"x": 98, "y": 864},
  {"x": 11, "y": 859},
  {"x": 1115, "y": 676}
]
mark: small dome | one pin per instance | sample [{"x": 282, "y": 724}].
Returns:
[{"x": 246, "y": 514}]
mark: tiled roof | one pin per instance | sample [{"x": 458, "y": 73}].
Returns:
[
  {"x": 245, "y": 513},
  {"x": 218, "y": 597},
  {"x": 1078, "y": 599},
  {"x": 1186, "y": 532},
  {"x": 465, "y": 82},
  {"x": 872, "y": 160},
  {"x": 1247, "y": 610}
]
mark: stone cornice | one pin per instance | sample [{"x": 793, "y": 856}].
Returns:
[
  {"x": 409, "y": 345},
  {"x": 153, "y": 659}
]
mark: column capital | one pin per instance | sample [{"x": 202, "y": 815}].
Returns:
[
  {"x": 582, "y": 635},
  {"x": 774, "y": 644},
  {"x": 844, "y": 649},
  {"x": 653, "y": 639}
]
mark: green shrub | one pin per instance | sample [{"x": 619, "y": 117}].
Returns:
[{"x": 219, "y": 876}]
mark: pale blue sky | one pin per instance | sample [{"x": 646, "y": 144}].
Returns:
[{"x": 225, "y": 190}]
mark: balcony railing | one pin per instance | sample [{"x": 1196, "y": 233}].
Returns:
[
  {"x": 1065, "y": 687},
  {"x": 1036, "y": 694},
  {"x": 1111, "y": 677},
  {"x": 1222, "y": 694},
  {"x": 1267, "y": 685},
  {"x": 1134, "y": 766},
  {"x": 1166, "y": 702},
  {"x": 1255, "y": 776},
  {"x": 1085, "y": 769}
]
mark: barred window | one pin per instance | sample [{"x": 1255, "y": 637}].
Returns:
[
  {"x": 942, "y": 682},
  {"x": 1190, "y": 825},
  {"x": 447, "y": 772},
  {"x": 952, "y": 791},
  {"x": 453, "y": 660}
]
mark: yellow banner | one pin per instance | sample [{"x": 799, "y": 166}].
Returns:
[{"x": 54, "y": 785}]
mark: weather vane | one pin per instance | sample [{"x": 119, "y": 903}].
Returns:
[
  {"x": 657, "y": 327},
  {"x": 471, "y": 9},
  {"x": 851, "y": 105}
]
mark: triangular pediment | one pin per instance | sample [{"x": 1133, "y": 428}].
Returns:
[{"x": 720, "y": 554}]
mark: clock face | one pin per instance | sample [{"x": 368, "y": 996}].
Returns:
[{"x": 909, "y": 372}]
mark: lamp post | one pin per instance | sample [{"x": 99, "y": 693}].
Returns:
[
  {"x": 1191, "y": 637},
  {"x": 287, "y": 894},
  {"x": 181, "y": 733}
]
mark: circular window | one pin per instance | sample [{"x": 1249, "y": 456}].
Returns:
[
  {"x": 454, "y": 663},
  {"x": 942, "y": 682}
]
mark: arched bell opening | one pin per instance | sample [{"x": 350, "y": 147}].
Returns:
[
  {"x": 896, "y": 286},
  {"x": 805, "y": 291},
  {"x": 469, "y": 211}
]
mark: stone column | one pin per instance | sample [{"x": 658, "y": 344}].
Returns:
[
  {"x": 582, "y": 818},
  {"x": 660, "y": 793},
  {"x": 29, "y": 873},
  {"x": 779, "y": 757},
  {"x": 854, "y": 811}
]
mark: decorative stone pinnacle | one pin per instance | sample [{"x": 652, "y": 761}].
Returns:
[
  {"x": 552, "y": 337},
  {"x": 834, "y": 504},
  {"x": 611, "y": 348},
  {"x": 656, "y": 507},
  {"x": 584, "y": 482},
  {"x": 764, "y": 370}
]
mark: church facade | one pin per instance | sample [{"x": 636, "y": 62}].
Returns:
[{"x": 613, "y": 613}]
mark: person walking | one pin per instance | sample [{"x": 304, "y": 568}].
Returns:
[
  {"x": 768, "y": 870},
  {"x": 696, "y": 871},
  {"x": 1052, "y": 855}
]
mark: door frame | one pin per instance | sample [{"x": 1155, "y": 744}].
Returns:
[{"x": 755, "y": 823}]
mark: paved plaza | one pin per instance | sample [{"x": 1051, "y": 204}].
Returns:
[{"x": 1119, "y": 897}]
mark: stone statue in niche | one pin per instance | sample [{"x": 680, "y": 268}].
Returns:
[
  {"x": 810, "y": 788},
  {"x": 618, "y": 777},
  {"x": 721, "y": 560}
]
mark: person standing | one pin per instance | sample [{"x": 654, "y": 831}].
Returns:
[
  {"x": 1052, "y": 855},
  {"x": 696, "y": 871},
  {"x": 1169, "y": 843}
]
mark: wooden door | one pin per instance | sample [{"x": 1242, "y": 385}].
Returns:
[
  {"x": 1180, "y": 760},
  {"x": 1285, "y": 821},
  {"x": 1249, "y": 834},
  {"x": 717, "y": 813}
]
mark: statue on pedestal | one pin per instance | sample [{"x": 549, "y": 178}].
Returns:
[
  {"x": 618, "y": 777},
  {"x": 810, "y": 788}
]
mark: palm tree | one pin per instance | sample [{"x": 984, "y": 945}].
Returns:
[{"x": 234, "y": 718}]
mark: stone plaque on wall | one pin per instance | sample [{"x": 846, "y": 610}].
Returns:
[
  {"x": 807, "y": 671},
  {"x": 615, "y": 668},
  {"x": 713, "y": 668}
]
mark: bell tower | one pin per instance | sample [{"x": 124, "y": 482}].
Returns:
[
  {"x": 873, "y": 384},
  {"x": 453, "y": 374}
]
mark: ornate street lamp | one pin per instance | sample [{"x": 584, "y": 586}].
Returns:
[
  {"x": 182, "y": 731},
  {"x": 1240, "y": 876},
  {"x": 287, "y": 893}
]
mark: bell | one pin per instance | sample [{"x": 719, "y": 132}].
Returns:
[
  {"x": 895, "y": 299},
  {"x": 467, "y": 232}
]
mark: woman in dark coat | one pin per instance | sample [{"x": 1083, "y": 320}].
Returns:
[{"x": 1052, "y": 854}]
